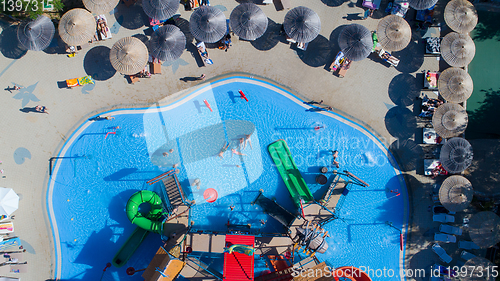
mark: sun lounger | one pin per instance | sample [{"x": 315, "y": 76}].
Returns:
[
  {"x": 429, "y": 165},
  {"x": 9, "y": 279},
  {"x": 12, "y": 244},
  {"x": 290, "y": 40},
  {"x": 433, "y": 45},
  {"x": 430, "y": 137},
  {"x": 443, "y": 218},
  {"x": 344, "y": 67},
  {"x": 386, "y": 56},
  {"x": 446, "y": 238},
  {"x": 466, "y": 255},
  {"x": 13, "y": 268},
  {"x": 285, "y": 4},
  {"x": 467, "y": 245},
  {"x": 443, "y": 256},
  {"x": 399, "y": 8},
  {"x": 440, "y": 209},
  {"x": 431, "y": 80},
  {"x": 339, "y": 59},
  {"x": 444, "y": 228},
  {"x": 202, "y": 51},
  {"x": 302, "y": 46},
  {"x": 372, "y": 4},
  {"x": 6, "y": 227},
  {"x": 71, "y": 83},
  {"x": 15, "y": 257},
  {"x": 102, "y": 31}
]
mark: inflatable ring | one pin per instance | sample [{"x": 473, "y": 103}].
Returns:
[
  {"x": 210, "y": 195},
  {"x": 148, "y": 221}
]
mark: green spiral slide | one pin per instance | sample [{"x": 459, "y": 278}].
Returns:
[
  {"x": 288, "y": 170},
  {"x": 146, "y": 222}
]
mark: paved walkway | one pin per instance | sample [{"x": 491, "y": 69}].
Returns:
[{"x": 379, "y": 96}]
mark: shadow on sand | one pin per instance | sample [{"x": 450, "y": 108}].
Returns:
[{"x": 97, "y": 64}]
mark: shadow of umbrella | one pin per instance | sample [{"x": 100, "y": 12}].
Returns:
[
  {"x": 142, "y": 37},
  {"x": 97, "y": 64},
  {"x": 403, "y": 89},
  {"x": 423, "y": 259},
  {"x": 9, "y": 46},
  {"x": 270, "y": 38},
  {"x": 334, "y": 35},
  {"x": 183, "y": 25},
  {"x": 132, "y": 17},
  {"x": 333, "y": 3},
  {"x": 412, "y": 57},
  {"x": 400, "y": 122},
  {"x": 317, "y": 53},
  {"x": 407, "y": 153}
]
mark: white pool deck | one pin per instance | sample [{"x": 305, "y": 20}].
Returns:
[{"x": 30, "y": 139}]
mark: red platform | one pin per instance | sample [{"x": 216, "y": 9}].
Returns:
[{"x": 237, "y": 266}]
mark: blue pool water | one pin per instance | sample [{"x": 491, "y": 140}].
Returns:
[{"x": 93, "y": 180}]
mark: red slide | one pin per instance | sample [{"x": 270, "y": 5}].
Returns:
[
  {"x": 238, "y": 266},
  {"x": 243, "y": 95}
]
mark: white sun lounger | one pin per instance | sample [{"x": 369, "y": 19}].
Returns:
[
  {"x": 443, "y": 218},
  {"x": 13, "y": 268},
  {"x": 105, "y": 33},
  {"x": 444, "y": 228},
  {"x": 466, "y": 255},
  {"x": 202, "y": 51},
  {"x": 13, "y": 257},
  {"x": 446, "y": 238},
  {"x": 467, "y": 245},
  {"x": 9, "y": 279},
  {"x": 6, "y": 227},
  {"x": 443, "y": 256}
]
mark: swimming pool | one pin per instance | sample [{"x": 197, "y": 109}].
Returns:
[{"x": 97, "y": 172}]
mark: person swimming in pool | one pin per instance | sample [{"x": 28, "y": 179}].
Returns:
[
  {"x": 245, "y": 140},
  {"x": 223, "y": 149},
  {"x": 234, "y": 151},
  {"x": 335, "y": 155}
]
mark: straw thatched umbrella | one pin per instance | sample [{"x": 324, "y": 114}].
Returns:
[
  {"x": 208, "y": 24},
  {"x": 100, "y": 6},
  {"x": 478, "y": 269},
  {"x": 36, "y": 35},
  {"x": 460, "y": 15},
  {"x": 77, "y": 27},
  {"x": 456, "y": 155},
  {"x": 422, "y": 4},
  {"x": 484, "y": 229},
  {"x": 394, "y": 33},
  {"x": 450, "y": 120},
  {"x": 167, "y": 43},
  {"x": 457, "y": 49},
  {"x": 455, "y": 85},
  {"x": 248, "y": 21},
  {"x": 356, "y": 42},
  {"x": 129, "y": 55},
  {"x": 160, "y": 9},
  {"x": 302, "y": 24},
  {"x": 455, "y": 193}
]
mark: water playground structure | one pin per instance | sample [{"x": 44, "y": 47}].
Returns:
[{"x": 302, "y": 232}]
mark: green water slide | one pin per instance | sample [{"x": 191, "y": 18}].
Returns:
[
  {"x": 147, "y": 221},
  {"x": 288, "y": 170}
]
